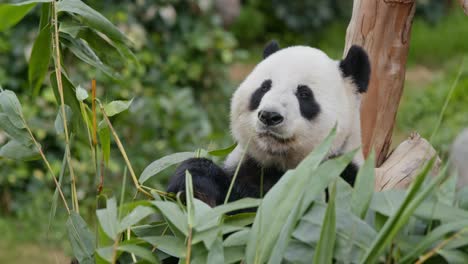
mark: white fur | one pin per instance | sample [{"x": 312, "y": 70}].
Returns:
[{"x": 287, "y": 68}]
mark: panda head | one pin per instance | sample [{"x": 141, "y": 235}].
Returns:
[{"x": 293, "y": 98}]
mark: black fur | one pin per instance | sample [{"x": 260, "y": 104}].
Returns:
[
  {"x": 308, "y": 106},
  {"x": 210, "y": 182},
  {"x": 257, "y": 96},
  {"x": 349, "y": 174},
  {"x": 270, "y": 48},
  {"x": 356, "y": 65}
]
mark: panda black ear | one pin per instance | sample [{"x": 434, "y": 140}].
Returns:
[
  {"x": 270, "y": 48},
  {"x": 357, "y": 66}
]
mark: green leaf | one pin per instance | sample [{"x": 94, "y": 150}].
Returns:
[
  {"x": 92, "y": 18},
  {"x": 83, "y": 52},
  {"x": 234, "y": 254},
  {"x": 11, "y": 106},
  {"x": 403, "y": 213},
  {"x": 104, "y": 140},
  {"x": 17, "y": 151},
  {"x": 69, "y": 96},
  {"x": 299, "y": 253},
  {"x": 454, "y": 256},
  {"x": 161, "y": 164},
  {"x": 40, "y": 58},
  {"x": 59, "y": 129},
  {"x": 326, "y": 243},
  {"x": 222, "y": 152},
  {"x": 189, "y": 199},
  {"x": 108, "y": 219},
  {"x": 281, "y": 200},
  {"x": 353, "y": 235},
  {"x": 20, "y": 135},
  {"x": 116, "y": 107},
  {"x": 216, "y": 252},
  {"x": 239, "y": 238},
  {"x": 141, "y": 252},
  {"x": 134, "y": 217},
  {"x": 387, "y": 203},
  {"x": 212, "y": 217},
  {"x": 173, "y": 215},
  {"x": 81, "y": 239},
  {"x": 53, "y": 207},
  {"x": 437, "y": 235},
  {"x": 13, "y": 13},
  {"x": 168, "y": 244},
  {"x": 81, "y": 93},
  {"x": 110, "y": 53},
  {"x": 364, "y": 187}
]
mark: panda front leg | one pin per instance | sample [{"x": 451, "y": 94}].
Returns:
[{"x": 210, "y": 182}]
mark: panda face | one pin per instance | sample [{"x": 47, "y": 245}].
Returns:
[{"x": 289, "y": 104}]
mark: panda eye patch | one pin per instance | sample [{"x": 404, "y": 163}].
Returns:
[
  {"x": 304, "y": 92},
  {"x": 307, "y": 105},
  {"x": 257, "y": 96}
]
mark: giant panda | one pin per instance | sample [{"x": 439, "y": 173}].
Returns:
[{"x": 285, "y": 107}]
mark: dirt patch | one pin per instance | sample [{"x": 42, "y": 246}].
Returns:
[{"x": 421, "y": 76}]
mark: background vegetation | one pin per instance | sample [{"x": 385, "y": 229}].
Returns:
[{"x": 184, "y": 68}]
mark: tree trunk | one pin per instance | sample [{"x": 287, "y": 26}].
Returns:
[{"x": 382, "y": 28}]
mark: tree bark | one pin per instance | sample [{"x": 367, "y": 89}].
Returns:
[
  {"x": 382, "y": 28},
  {"x": 405, "y": 163},
  {"x": 464, "y": 5}
]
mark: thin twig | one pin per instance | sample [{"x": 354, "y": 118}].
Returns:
[
  {"x": 189, "y": 247},
  {"x": 39, "y": 148},
  {"x": 442, "y": 244},
  {"x": 58, "y": 76},
  {"x": 124, "y": 154}
]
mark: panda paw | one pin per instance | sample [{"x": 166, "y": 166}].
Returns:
[{"x": 210, "y": 182}]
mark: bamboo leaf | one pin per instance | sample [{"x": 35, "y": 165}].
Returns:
[
  {"x": 92, "y": 18},
  {"x": 104, "y": 140},
  {"x": 53, "y": 207},
  {"x": 189, "y": 199},
  {"x": 17, "y": 151},
  {"x": 11, "y": 106},
  {"x": 59, "y": 129},
  {"x": 40, "y": 58},
  {"x": 280, "y": 201},
  {"x": 13, "y": 13},
  {"x": 20, "y": 135},
  {"x": 81, "y": 93},
  {"x": 108, "y": 219},
  {"x": 168, "y": 244},
  {"x": 404, "y": 212},
  {"x": 326, "y": 243},
  {"x": 222, "y": 152},
  {"x": 70, "y": 99},
  {"x": 116, "y": 107},
  {"x": 161, "y": 164},
  {"x": 438, "y": 234},
  {"x": 134, "y": 217},
  {"x": 173, "y": 215},
  {"x": 364, "y": 187},
  {"x": 141, "y": 252},
  {"x": 83, "y": 52},
  {"x": 81, "y": 239}
]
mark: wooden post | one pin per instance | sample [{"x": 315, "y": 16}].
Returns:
[{"x": 382, "y": 28}]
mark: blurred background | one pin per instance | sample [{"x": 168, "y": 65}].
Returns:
[{"x": 191, "y": 56}]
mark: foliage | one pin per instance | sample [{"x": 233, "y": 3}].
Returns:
[
  {"x": 421, "y": 106},
  {"x": 179, "y": 63},
  {"x": 74, "y": 135}
]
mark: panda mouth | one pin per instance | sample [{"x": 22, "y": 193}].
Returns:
[{"x": 274, "y": 136}]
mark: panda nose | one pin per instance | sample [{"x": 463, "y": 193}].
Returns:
[{"x": 270, "y": 118}]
